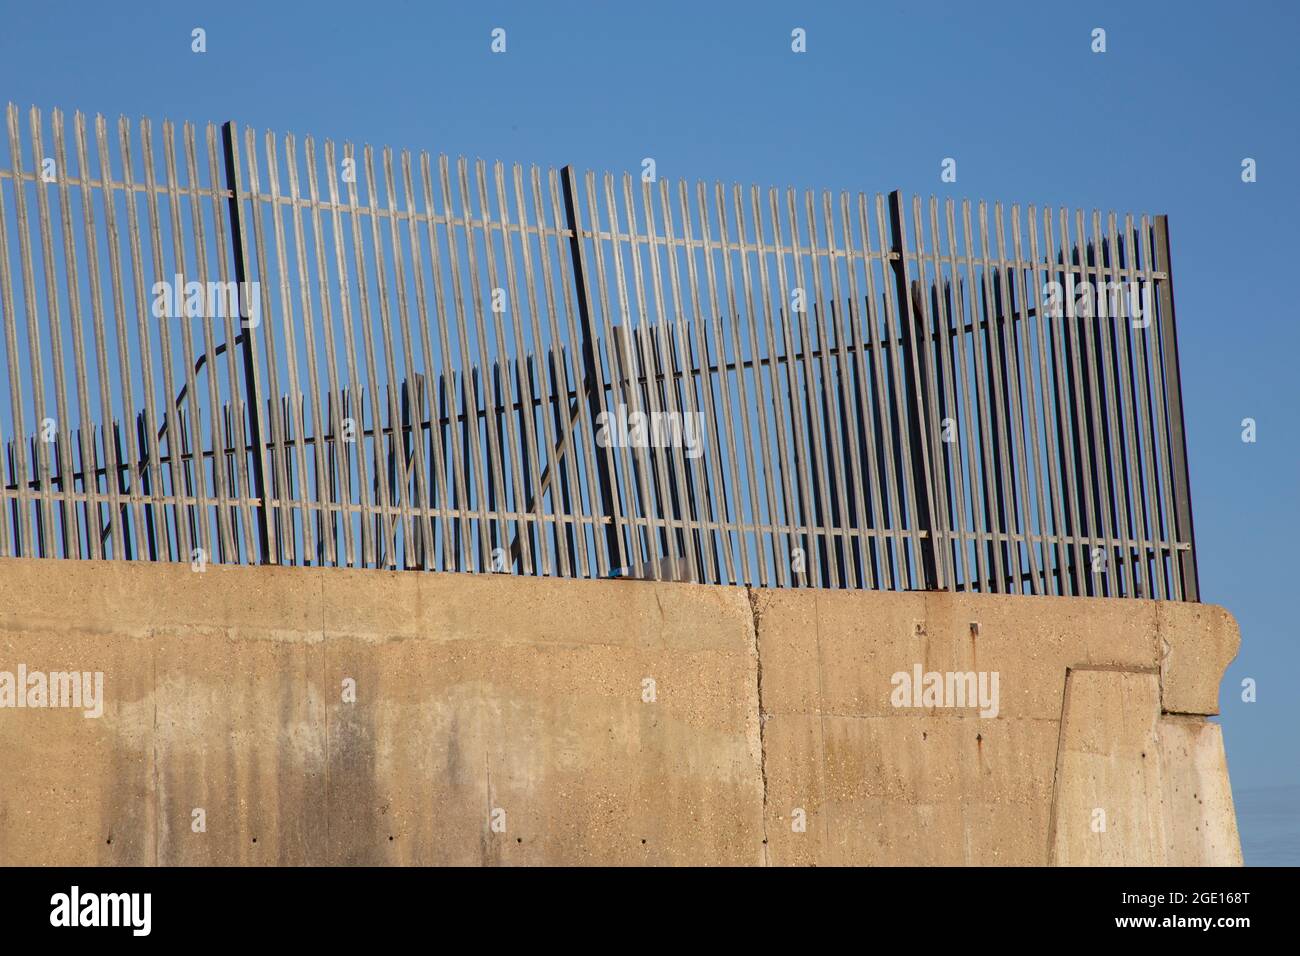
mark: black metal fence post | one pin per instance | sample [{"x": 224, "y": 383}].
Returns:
[
  {"x": 594, "y": 383},
  {"x": 1184, "y": 532},
  {"x": 918, "y": 417},
  {"x": 248, "y": 349}
]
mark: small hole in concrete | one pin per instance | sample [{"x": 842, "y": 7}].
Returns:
[
  {"x": 643, "y": 842},
  {"x": 254, "y": 839},
  {"x": 519, "y": 839},
  {"x": 390, "y": 839},
  {"x": 110, "y": 841}
]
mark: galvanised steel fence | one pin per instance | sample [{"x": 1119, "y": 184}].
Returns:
[{"x": 239, "y": 348}]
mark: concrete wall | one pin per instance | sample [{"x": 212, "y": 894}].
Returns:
[{"x": 501, "y": 720}]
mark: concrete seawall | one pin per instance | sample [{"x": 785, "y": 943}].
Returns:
[{"x": 312, "y": 716}]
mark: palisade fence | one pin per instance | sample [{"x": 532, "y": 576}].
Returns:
[{"x": 443, "y": 365}]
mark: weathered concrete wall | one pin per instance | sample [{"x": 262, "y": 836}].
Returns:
[
  {"x": 1081, "y": 765},
  {"x": 502, "y": 720}
]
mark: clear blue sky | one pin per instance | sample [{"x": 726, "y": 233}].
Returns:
[{"x": 1159, "y": 123}]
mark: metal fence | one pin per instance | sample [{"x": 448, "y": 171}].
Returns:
[{"x": 225, "y": 347}]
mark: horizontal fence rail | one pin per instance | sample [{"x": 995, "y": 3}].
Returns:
[{"x": 229, "y": 347}]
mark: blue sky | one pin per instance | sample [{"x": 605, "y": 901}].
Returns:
[{"x": 1160, "y": 122}]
